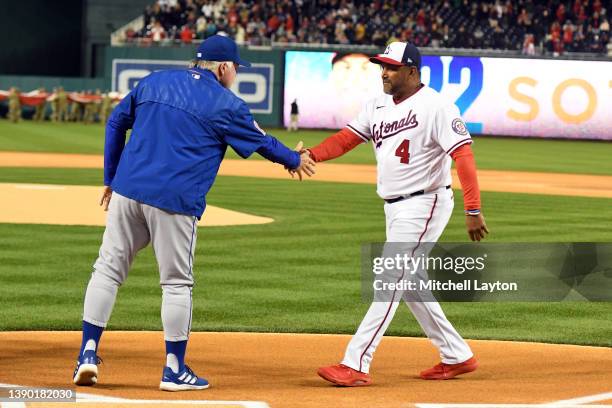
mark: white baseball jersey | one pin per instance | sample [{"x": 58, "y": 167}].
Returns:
[{"x": 412, "y": 140}]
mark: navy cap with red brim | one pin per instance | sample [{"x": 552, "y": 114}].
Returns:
[
  {"x": 385, "y": 60},
  {"x": 399, "y": 53}
]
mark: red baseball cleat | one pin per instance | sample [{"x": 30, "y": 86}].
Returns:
[
  {"x": 444, "y": 371},
  {"x": 344, "y": 376}
]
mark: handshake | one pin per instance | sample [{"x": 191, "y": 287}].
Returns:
[{"x": 307, "y": 164}]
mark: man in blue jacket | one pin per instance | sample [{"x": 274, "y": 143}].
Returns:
[{"x": 182, "y": 122}]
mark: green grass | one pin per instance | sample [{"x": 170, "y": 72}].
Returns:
[
  {"x": 298, "y": 274},
  {"x": 28, "y": 136},
  {"x": 560, "y": 156}
]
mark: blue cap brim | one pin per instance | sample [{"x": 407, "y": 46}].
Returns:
[{"x": 243, "y": 63}]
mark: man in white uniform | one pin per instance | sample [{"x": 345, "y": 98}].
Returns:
[{"x": 414, "y": 132}]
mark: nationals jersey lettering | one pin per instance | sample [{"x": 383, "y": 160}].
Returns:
[
  {"x": 389, "y": 129},
  {"x": 412, "y": 140}
]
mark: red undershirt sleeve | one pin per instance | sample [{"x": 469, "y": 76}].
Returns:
[
  {"x": 466, "y": 170},
  {"x": 335, "y": 146}
]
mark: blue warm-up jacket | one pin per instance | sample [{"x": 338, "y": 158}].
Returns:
[{"x": 182, "y": 122}]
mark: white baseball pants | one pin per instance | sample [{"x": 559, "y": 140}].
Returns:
[
  {"x": 416, "y": 220},
  {"x": 130, "y": 226}
]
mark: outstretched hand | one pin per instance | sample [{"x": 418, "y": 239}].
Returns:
[{"x": 307, "y": 165}]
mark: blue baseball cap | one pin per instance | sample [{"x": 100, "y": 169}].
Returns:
[{"x": 220, "y": 48}]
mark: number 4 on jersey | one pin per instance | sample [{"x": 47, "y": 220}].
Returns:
[{"x": 403, "y": 151}]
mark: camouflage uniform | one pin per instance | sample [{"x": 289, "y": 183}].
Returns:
[
  {"x": 97, "y": 106},
  {"x": 105, "y": 108},
  {"x": 54, "y": 108},
  {"x": 39, "y": 110},
  {"x": 62, "y": 105},
  {"x": 91, "y": 109},
  {"x": 76, "y": 111},
  {"x": 87, "y": 110},
  {"x": 14, "y": 113}
]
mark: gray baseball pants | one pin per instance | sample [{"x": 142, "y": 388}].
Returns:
[{"x": 130, "y": 226}]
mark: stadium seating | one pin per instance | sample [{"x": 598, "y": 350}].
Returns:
[{"x": 554, "y": 27}]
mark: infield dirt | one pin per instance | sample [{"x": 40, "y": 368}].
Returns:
[
  {"x": 489, "y": 180},
  {"x": 280, "y": 369},
  {"x": 78, "y": 205}
]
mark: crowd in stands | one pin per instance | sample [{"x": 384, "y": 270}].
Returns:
[{"x": 530, "y": 26}]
